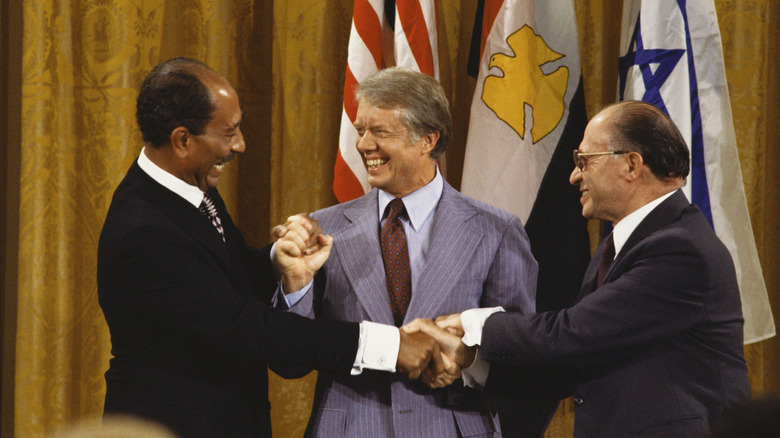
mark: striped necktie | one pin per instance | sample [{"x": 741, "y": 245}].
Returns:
[{"x": 207, "y": 207}]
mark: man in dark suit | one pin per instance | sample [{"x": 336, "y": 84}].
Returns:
[
  {"x": 458, "y": 253},
  {"x": 185, "y": 299},
  {"x": 653, "y": 345}
]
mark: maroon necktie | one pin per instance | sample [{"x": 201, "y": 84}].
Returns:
[
  {"x": 607, "y": 255},
  {"x": 395, "y": 254},
  {"x": 207, "y": 207}
]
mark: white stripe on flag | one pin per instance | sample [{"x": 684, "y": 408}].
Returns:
[{"x": 674, "y": 60}]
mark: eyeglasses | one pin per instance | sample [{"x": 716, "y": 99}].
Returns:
[{"x": 579, "y": 157}]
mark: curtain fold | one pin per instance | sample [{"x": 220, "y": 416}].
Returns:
[{"x": 81, "y": 65}]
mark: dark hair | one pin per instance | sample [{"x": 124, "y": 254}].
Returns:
[
  {"x": 420, "y": 98},
  {"x": 642, "y": 127},
  {"x": 172, "y": 95}
]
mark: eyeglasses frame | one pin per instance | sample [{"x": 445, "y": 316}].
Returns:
[{"x": 576, "y": 154}]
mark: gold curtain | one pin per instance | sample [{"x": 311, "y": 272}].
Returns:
[{"x": 70, "y": 94}]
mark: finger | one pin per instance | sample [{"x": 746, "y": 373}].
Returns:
[
  {"x": 428, "y": 376},
  {"x": 287, "y": 246},
  {"x": 278, "y": 231},
  {"x": 455, "y": 331},
  {"x": 437, "y": 362},
  {"x": 300, "y": 218},
  {"x": 450, "y": 321},
  {"x": 299, "y": 235},
  {"x": 320, "y": 242},
  {"x": 325, "y": 239},
  {"x": 412, "y": 327}
]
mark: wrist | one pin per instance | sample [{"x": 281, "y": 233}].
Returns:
[{"x": 294, "y": 283}]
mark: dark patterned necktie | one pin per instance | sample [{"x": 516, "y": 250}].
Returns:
[
  {"x": 607, "y": 255},
  {"x": 395, "y": 255},
  {"x": 207, "y": 207}
]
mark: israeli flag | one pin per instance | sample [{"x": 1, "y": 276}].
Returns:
[{"x": 671, "y": 56}]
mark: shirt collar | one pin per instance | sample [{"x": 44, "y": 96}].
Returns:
[
  {"x": 624, "y": 228},
  {"x": 419, "y": 204},
  {"x": 192, "y": 194}
]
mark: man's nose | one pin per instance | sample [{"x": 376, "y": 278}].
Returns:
[
  {"x": 239, "y": 145},
  {"x": 365, "y": 142},
  {"x": 575, "y": 177}
]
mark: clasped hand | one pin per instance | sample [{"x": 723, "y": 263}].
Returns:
[
  {"x": 433, "y": 351},
  {"x": 301, "y": 249}
]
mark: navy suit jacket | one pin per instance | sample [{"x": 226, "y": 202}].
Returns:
[
  {"x": 190, "y": 328},
  {"x": 656, "y": 351}
]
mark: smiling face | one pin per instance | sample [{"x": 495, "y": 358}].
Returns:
[
  {"x": 394, "y": 162},
  {"x": 209, "y": 152},
  {"x": 602, "y": 190}
]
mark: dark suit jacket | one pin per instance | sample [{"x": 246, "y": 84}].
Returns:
[
  {"x": 656, "y": 351},
  {"x": 190, "y": 329}
]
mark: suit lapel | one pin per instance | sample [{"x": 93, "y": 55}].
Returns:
[
  {"x": 452, "y": 245},
  {"x": 357, "y": 247},
  {"x": 661, "y": 216},
  {"x": 182, "y": 213}
]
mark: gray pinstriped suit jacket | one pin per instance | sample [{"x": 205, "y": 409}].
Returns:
[{"x": 479, "y": 256}]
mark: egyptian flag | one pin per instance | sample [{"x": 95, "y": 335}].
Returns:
[
  {"x": 384, "y": 33},
  {"x": 527, "y": 115},
  {"x": 671, "y": 57}
]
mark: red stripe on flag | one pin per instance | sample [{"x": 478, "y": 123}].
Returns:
[
  {"x": 369, "y": 27},
  {"x": 416, "y": 30},
  {"x": 488, "y": 18},
  {"x": 350, "y": 106},
  {"x": 345, "y": 184}
]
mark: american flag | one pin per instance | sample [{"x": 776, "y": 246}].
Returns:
[{"x": 384, "y": 33}]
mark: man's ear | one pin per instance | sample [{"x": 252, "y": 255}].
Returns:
[
  {"x": 635, "y": 165},
  {"x": 179, "y": 139},
  {"x": 429, "y": 142}
]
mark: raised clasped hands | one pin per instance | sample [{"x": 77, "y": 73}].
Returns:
[
  {"x": 301, "y": 250},
  {"x": 450, "y": 357}
]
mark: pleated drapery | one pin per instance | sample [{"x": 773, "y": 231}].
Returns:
[{"x": 70, "y": 94}]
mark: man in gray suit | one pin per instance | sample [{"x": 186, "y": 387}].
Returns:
[
  {"x": 413, "y": 247},
  {"x": 653, "y": 345}
]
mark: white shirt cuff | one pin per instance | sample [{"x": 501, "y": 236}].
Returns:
[
  {"x": 473, "y": 320},
  {"x": 377, "y": 348},
  {"x": 476, "y": 375}
]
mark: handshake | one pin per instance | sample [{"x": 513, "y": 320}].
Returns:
[{"x": 433, "y": 352}]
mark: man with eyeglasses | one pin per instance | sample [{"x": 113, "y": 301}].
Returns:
[{"x": 653, "y": 345}]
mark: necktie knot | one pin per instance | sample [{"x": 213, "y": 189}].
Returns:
[
  {"x": 208, "y": 208},
  {"x": 395, "y": 209}
]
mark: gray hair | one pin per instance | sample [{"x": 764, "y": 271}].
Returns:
[{"x": 420, "y": 98}]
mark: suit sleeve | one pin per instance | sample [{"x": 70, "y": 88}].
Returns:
[
  {"x": 660, "y": 293},
  {"x": 170, "y": 280}
]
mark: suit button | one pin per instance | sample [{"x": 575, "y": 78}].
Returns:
[{"x": 578, "y": 401}]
